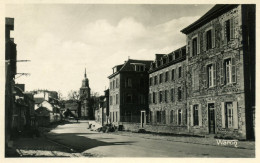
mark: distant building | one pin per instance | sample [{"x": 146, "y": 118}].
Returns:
[
  {"x": 128, "y": 92},
  {"x": 221, "y": 71},
  {"x": 102, "y": 113},
  {"x": 167, "y": 91},
  {"x": 73, "y": 106},
  {"x": 85, "y": 111}
]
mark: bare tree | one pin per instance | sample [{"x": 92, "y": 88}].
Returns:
[{"x": 73, "y": 95}]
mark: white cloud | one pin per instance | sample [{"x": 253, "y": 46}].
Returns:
[{"x": 59, "y": 64}]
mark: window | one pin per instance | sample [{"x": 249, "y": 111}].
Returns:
[
  {"x": 173, "y": 73},
  {"x": 116, "y": 116},
  {"x": 151, "y": 81},
  {"x": 166, "y": 76},
  {"x": 180, "y": 72},
  {"x": 227, "y": 30},
  {"x": 158, "y": 115},
  {"x": 229, "y": 114},
  {"x": 172, "y": 95},
  {"x": 110, "y": 100},
  {"x": 150, "y": 98},
  {"x": 113, "y": 116},
  {"x": 195, "y": 115},
  {"x": 113, "y": 84},
  {"x": 171, "y": 116},
  {"x": 177, "y": 55},
  {"x": 179, "y": 116},
  {"x": 129, "y": 82},
  {"x": 161, "y": 96},
  {"x": 141, "y": 68},
  {"x": 163, "y": 119},
  {"x": 208, "y": 39},
  {"x": 116, "y": 83},
  {"x": 116, "y": 98},
  {"x": 155, "y": 80},
  {"x": 194, "y": 46},
  {"x": 166, "y": 96},
  {"x": 195, "y": 79},
  {"x": 154, "y": 97},
  {"x": 210, "y": 72},
  {"x": 179, "y": 93},
  {"x": 160, "y": 78},
  {"x": 129, "y": 98},
  {"x": 228, "y": 71}
]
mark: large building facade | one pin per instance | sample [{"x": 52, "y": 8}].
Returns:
[
  {"x": 221, "y": 71},
  {"x": 167, "y": 90},
  {"x": 128, "y": 92}
]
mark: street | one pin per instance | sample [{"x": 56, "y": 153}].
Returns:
[{"x": 79, "y": 139}]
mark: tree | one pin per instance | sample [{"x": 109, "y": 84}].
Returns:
[{"x": 73, "y": 95}]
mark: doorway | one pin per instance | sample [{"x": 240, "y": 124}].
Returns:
[
  {"x": 143, "y": 118},
  {"x": 211, "y": 115}
]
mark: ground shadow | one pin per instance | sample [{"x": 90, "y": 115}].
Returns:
[{"x": 80, "y": 143}]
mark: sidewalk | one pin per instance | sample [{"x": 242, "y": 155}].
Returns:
[{"x": 250, "y": 145}]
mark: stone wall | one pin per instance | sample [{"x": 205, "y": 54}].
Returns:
[{"x": 220, "y": 92}]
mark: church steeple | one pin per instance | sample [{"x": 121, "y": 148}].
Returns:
[{"x": 85, "y": 75}]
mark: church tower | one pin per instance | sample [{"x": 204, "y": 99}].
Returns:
[{"x": 85, "y": 97}]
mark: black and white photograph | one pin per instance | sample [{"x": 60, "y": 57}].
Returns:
[{"x": 129, "y": 80}]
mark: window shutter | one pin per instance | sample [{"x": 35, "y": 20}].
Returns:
[
  {"x": 204, "y": 77},
  {"x": 223, "y": 112},
  {"x": 213, "y": 37},
  {"x": 233, "y": 69},
  {"x": 191, "y": 116},
  {"x": 198, "y": 44},
  {"x": 177, "y": 117},
  {"x": 193, "y": 78},
  {"x": 190, "y": 42},
  {"x": 232, "y": 29},
  {"x": 235, "y": 115},
  {"x": 225, "y": 32},
  {"x": 204, "y": 41},
  {"x": 221, "y": 72},
  {"x": 200, "y": 115},
  {"x": 214, "y": 74}
]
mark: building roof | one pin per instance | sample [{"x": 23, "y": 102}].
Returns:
[
  {"x": 128, "y": 66},
  {"x": 159, "y": 56},
  {"x": 71, "y": 105},
  {"x": 38, "y": 100},
  {"x": 169, "y": 60},
  {"x": 214, "y": 12}
]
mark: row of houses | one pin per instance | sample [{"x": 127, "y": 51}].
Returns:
[
  {"x": 19, "y": 105},
  {"x": 24, "y": 111},
  {"x": 205, "y": 87}
]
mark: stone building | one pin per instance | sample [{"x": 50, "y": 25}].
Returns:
[
  {"x": 221, "y": 71},
  {"x": 85, "y": 98},
  {"x": 167, "y": 91},
  {"x": 128, "y": 92}
]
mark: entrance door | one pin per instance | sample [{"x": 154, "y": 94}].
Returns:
[
  {"x": 142, "y": 118},
  {"x": 211, "y": 112}
]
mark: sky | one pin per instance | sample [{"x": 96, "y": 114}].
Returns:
[{"x": 61, "y": 40}]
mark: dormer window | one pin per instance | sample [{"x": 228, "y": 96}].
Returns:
[
  {"x": 139, "y": 67},
  {"x": 177, "y": 55},
  {"x": 170, "y": 57}
]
